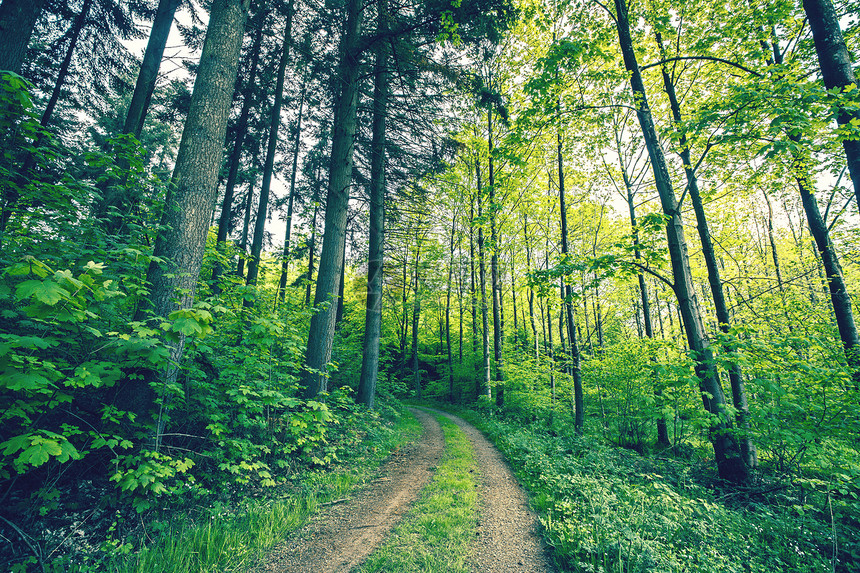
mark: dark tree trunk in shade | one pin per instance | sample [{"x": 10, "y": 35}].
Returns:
[
  {"x": 235, "y": 156},
  {"x": 17, "y": 20},
  {"x": 246, "y": 227},
  {"x": 473, "y": 290},
  {"x": 321, "y": 334},
  {"x": 416, "y": 315},
  {"x": 448, "y": 311},
  {"x": 185, "y": 221},
  {"x": 269, "y": 165},
  {"x": 312, "y": 246},
  {"x": 730, "y": 462},
  {"x": 739, "y": 395},
  {"x": 837, "y": 72}
]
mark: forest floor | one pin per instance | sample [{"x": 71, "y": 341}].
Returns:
[{"x": 340, "y": 538}]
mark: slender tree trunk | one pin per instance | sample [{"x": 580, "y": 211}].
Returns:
[
  {"x": 75, "y": 34},
  {"x": 246, "y": 227},
  {"x": 839, "y": 297},
  {"x": 485, "y": 340},
  {"x": 17, "y": 20},
  {"x": 312, "y": 247},
  {"x": 321, "y": 335},
  {"x": 448, "y": 312},
  {"x": 474, "y": 293},
  {"x": 531, "y": 292},
  {"x": 235, "y": 156},
  {"x": 739, "y": 395},
  {"x": 576, "y": 372},
  {"x": 416, "y": 316},
  {"x": 730, "y": 462},
  {"x": 185, "y": 221},
  {"x": 269, "y": 165},
  {"x": 835, "y": 62},
  {"x": 373, "y": 309},
  {"x": 494, "y": 269},
  {"x": 285, "y": 263},
  {"x": 146, "y": 78}
]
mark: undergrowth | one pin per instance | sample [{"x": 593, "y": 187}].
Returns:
[
  {"x": 436, "y": 534},
  {"x": 223, "y": 537},
  {"x": 607, "y": 509}
]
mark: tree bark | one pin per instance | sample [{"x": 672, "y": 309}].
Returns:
[
  {"x": 416, "y": 316},
  {"x": 373, "y": 309},
  {"x": 235, "y": 156},
  {"x": 448, "y": 311},
  {"x": 75, "y": 30},
  {"x": 487, "y": 389},
  {"x": 17, "y": 20},
  {"x": 185, "y": 221},
  {"x": 321, "y": 335},
  {"x": 836, "y": 70},
  {"x": 730, "y": 462}
]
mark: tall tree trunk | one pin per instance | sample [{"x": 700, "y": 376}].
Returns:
[
  {"x": 448, "y": 311},
  {"x": 321, "y": 335},
  {"x": 730, "y": 462},
  {"x": 75, "y": 34},
  {"x": 235, "y": 156},
  {"x": 185, "y": 221},
  {"x": 285, "y": 263},
  {"x": 839, "y": 297},
  {"x": 17, "y": 20},
  {"x": 312, "y": 247},
  {"x": 531, "y": 292},
  {"x": 146, "y": 78},
  {"x": 416, "y": 316},
  {"x": 373, "y": 309},
  {"x": 487, "y": 389},
  {"x": 246, "y": 227},
  {"x": 269, "y": 165},
  {"x": 474, "y": 293},
  {"x": 494, "y": 269},
  {"x": 835, "y": 62},
  {"x": 576, "y": 371},
  {"x": 739, "y": 395}
]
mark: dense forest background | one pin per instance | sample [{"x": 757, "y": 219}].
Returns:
[{"x": 631, "y": 225}]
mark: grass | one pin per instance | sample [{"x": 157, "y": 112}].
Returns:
[
  {"x": 236, "y": 542},
  {"x": 436, "y": 535}
]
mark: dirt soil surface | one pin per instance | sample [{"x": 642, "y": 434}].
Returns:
[
  {"x": 507, "y": 538},
  {"x": 344, "y": 535}
]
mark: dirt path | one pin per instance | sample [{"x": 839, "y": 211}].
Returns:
[
  {"x": 507, "y": 539},
  {"x": 340, "y": 538}
]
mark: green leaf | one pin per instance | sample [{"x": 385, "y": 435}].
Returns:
[{"x": 47, "y": 292}]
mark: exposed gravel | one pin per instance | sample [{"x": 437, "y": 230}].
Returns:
[
  {"x": 341, "y": 537},
  {"x": 507, "y": 538}
]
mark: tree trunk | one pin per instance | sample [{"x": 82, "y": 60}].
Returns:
[
  {"x": 285, "y": 263},
  {"x": 312, "y": 246},
  {"x": 487, "y": 389},
  {"x": 448, "y": 312},
  {"x": 246, "y": 226},
  {"x": 75, "y": 31},
  {"x": 531, "y": 292},
  {"x": 474, "y": 293},
  {"x": 321, "y": 335},
  {"x": 739, "y": 395},
  {"x": 17, "y": 20},
  {"x": 730, "y": 462},
  {"x": 148, "y": 74},
  {"x": 235, "y": 156},
  {"x": 416, "y": 316},
  {"x": 185, "y": 221},
  {"x": 835, "y": 62},
  {"x": 373, "y": 309},
  {"x": 839, "y": 297},
  {"x": 567, "y": 302},
  {"x": 494, "y": 270},
  {"x": 269, "y": 165}
]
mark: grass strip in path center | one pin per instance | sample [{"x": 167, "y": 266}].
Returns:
[{"x": 436, "y": 535}]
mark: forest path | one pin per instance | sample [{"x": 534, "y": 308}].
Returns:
[
  {"x": 342, "y": 536},
  {"x": 507, "y": 538}
]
